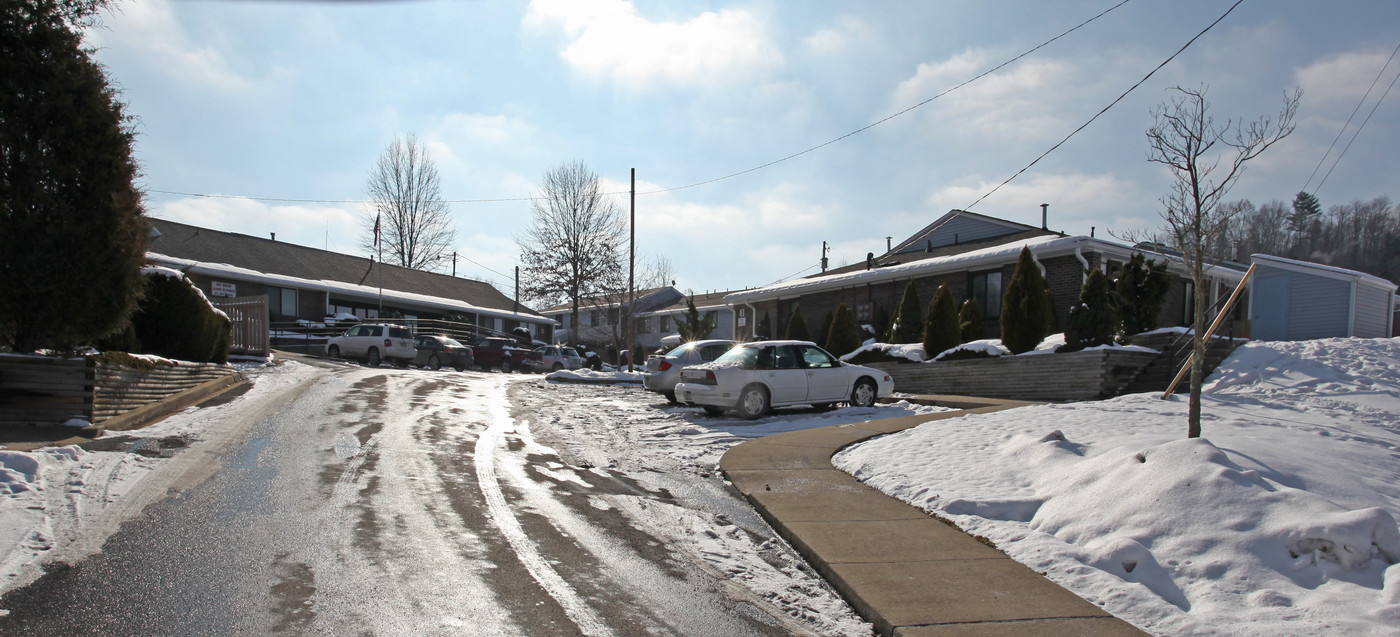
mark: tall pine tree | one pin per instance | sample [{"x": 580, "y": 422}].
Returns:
[
  {"x": 72, "y": 234},
  {"x": 1094, "y": 320},
  {"x": 796, "y": 326},
  {"x": 1141, "y": 287},
  {"x": 845, "y": 334},
  {"x": 1027, "y": 313},
  {"x": 908, "y": 319},
  {"x": 941, "y": 330}
]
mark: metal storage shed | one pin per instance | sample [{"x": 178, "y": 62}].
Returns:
[{"x": 1295, "y": 300}]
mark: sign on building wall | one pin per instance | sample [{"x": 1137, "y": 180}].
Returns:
[{"x": 220, "y": 288}]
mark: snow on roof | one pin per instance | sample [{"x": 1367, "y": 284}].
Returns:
[
  {"x": 1328, "y": 271},
  {"x": 366, "y": 291}
]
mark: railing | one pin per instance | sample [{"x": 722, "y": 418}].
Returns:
[
  {"x": 1229, "y": 305},
  {"x": 315, "y": 333},
  {"x": 250, "y": 329}
]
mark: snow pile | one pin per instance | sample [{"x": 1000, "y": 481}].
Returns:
[
  {"x": 589, "y": 376},
  {"x": 910, "y": 351},
  {"x": 1280, "y": 520}
]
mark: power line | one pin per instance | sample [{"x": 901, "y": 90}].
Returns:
[
  {"x": 1110, "y": 105},
  {"x": 716, "y": 179},
  {"x": 1348, "y": 123},
  {"x": 890, "y": 117}
]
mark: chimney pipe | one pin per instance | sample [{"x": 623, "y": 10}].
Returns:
[
  {"x": 1091, "y": 232},
  {"x": 274, "y": 236},
  {"x": 1045, "y": 216},
  {"x": 887, "y": 244}
]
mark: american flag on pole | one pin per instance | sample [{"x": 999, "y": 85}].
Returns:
[{"x": 376, "y": 229}]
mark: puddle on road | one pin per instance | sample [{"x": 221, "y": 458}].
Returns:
[{"x": 346, "y": 445}]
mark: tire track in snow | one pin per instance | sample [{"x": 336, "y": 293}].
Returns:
[{"x": 485, "y": 453}]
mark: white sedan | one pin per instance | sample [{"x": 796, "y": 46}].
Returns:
[{"x": 755, "y": 377}]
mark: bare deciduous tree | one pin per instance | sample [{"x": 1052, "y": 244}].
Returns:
[
  {"x": 573, "y": 246},
  {"x": 406, "y": 202},
  {"x": 1205, "y": 160}
]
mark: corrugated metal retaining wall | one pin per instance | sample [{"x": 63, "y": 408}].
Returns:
[{"x": 37, "y": 390}]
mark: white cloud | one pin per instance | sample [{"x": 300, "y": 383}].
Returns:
[
  {"x": 333, "y": 227},
  {"x": 1075, "y": 200},
  {"x": 847, "y": 34},
  {"x": 609, "y": 38},
  {"x": 151, "y": 28},
  {"x": 1345, "y": 77},
  {"x": 1032, "y": 99}
]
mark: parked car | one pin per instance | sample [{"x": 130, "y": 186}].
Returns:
[
  {"x": 503, "y": 353},
  {"x": 576, "y": 359},
  {"x": 755, "y": 377},
  {"x": 436, "y": 351},
  {"x": 553, "y": 358},
  {"x": 373, "y": 343},
  {"x": 663, "y": 371}
]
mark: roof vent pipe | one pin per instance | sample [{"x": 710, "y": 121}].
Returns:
[
  {"x": 1045, "y": 216},
  {"x": 274, "y": 236},
  {"x": 870, "y": 260},
  {"x": 887, "y": 244}
]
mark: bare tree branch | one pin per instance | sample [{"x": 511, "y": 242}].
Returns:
[
  {"x": 1185, "y": 138},
  {"x": 573, "y": 245},
  {"x": 406, "y": 199}
]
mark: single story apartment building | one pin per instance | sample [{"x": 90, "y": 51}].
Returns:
[
  {"x": 303, "y": 283},
  {"x": 658, "y": 313},
  {"x": 975, "y": 256}
]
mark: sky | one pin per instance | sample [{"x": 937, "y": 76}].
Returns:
[{"x": 262, "y": 117}]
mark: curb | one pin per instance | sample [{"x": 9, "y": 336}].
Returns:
[
  {"x": 163, "y": 408},
  {"x": 906, "y": 572}
]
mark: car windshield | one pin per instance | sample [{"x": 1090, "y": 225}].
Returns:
[
  {"x": 742, "y": 357},
  {"x": 451, "y": 343}
]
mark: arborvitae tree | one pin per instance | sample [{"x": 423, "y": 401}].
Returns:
[
  {"x": 941, "y": 331},
  {"x": 908, "y": 319},
  {"x": 175, "y": 321},
  {"x": 765, "y": 327},
  {"x": 1094, "y": 320},
  {"x": 72, "y": 234},
  {"x": 882, "y": 322},
  {"x": 796, "y": 326},
  {"x": 1141, "y": 289},
  {"x": 1026, "y": 311},
  {"x": 823, "y": 335},
  {"x": 693, "y": 326},
  {"x": 970, "y": 318},
  {"x": 845, "y": 334}
]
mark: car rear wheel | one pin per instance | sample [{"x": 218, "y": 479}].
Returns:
[
  {"x": 505, "y": 366},
  {"x": 864, "y": 393},
  {"x": 372, "y": 357},
  {"x": 753, "y": 402},
  {"x": 713, "y": 410},
  {"x": 434, "y": 363},
  {"x": 333, "y": 351}
]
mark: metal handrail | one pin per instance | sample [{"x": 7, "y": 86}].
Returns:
[{"x": 1229, "y": 305}]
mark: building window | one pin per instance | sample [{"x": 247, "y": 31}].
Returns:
[
  {"x": 595, "y": 318},
  {"x": 643, "y": 325},
  {"x": 986, "y": 288},
  {"x": 863, "y": 313},
  {"x": 665, "y": 324},
  {"x": 282, "y": 303},
  {"x": 1188, "y": 307}
]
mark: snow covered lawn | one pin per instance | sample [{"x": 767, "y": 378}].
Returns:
[{"x": 1280, "y": 520}]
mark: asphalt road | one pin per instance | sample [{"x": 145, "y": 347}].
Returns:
[{"x": 397, "y": 502}]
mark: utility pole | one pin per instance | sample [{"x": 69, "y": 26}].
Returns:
[
  {"x": 631, "y": 274},
  {"x": 454, "y": 264},
  {"x": 515, "y": 307},
  {"x": 824, "y": 249}
]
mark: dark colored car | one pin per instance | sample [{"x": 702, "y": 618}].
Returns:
[{"x": 436, "y": 351}]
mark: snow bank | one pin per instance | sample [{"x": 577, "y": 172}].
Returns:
[
  {"x": 590, "y": 376},
  {"x": 1280, "y": 520}
]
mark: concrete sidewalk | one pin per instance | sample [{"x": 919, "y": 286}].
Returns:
[{"x": 904, "y": 571}]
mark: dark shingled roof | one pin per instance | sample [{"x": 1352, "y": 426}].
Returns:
[{"x": 207, "y": 246}]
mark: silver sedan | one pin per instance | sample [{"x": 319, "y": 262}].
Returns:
[{"x": 664, "y": 371}]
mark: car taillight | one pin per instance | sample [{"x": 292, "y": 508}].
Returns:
[{"x": 665, "y": 365}]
